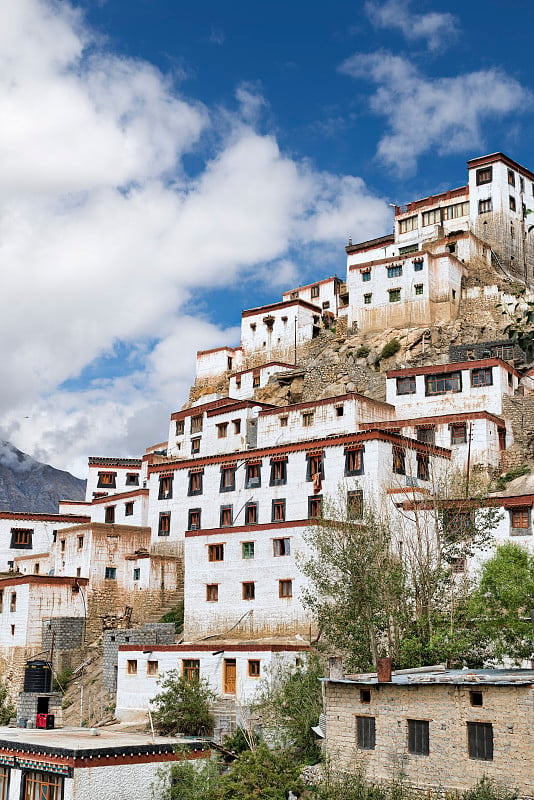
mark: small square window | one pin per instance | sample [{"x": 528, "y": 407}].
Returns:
[
  {"x": 137, "y": 573},
  {"x": 484, "y": 175},
  {"x": 365, "y": 696},
  {"x": 367, "y": 298},
  {"x": 418, "y": 288},
  {"x": 418, "y": 265},
  {"x": 285, "y": 588},
  {"x": 249, "y": 591},
  {"x": 253, "y": 668},
  {"x": 195, "y": 446},
  {"x": 278, "y": 511},
  {"x": 111, "y": 573},
  {"x": 193, "y": 520},
  {"x": 222, "y": 430},
  {"x": 110, "y": 514},
  {"x": 281, "y": 547},
  {"x": 458, "y": 433},
  {"x": 131, "y": 666},
  {"x": 340, "y": 410},
  {"x": 132, "y": 479},
  {"x": 212, "y": 592},
  {"x": 107, "y": 480},
  {"x": 283, "y": 422},
  {"x": 21, "y": 538},
  {"x": 164, "y": 527},
  {"x": 307, "y": 419},
  {"x": 394, "y": 272},
  {"x": 476, "y": 698},
  {"x": 152, "y": 668},
  {"x": 484, "y": 206},
  {"x": 248, "y": 549},
  {"x": 180, "y": 427},
  {"x": 128, "y": 509},
  {"x": 216, "y": 552},
  {"x": 394, "y": 295}
]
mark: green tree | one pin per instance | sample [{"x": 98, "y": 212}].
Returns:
[
  {"x": 186, "y": 780},
  {"x": 289, "y": 702},
  {"x": 503, "y": 602},
  {"x": 7, "y": 708},
  {"x": 261, "y": 773},
  {"x": 183, "y": 706}
]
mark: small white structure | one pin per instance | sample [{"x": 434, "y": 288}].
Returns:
[
  {"x": 244, "y": 384},
  {"x": 232, "y": 669},
  {"x": 325, "y": 294},
  {"x": 27, "y": 532},
  {"x": 217, "y": 361},
  {"x": 451, "y": 388},
  {"x": 110, "y": 475},
  {"x": 275, "y": 332}
]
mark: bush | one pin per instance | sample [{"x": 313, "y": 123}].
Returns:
[
  {"x": 389, "y": 349},
  {"x": 240, "y": 741},
  {"x": 183, "y": 706},
  {"x": 512, "y": 475},
  {"x": 62, "y": 680},
  {"x": 362, "y": 351},
  {"x": 7, "y": 709},
  {"x": 185, "y": 781},
  {"x": 488, "y": 789},
  {"x": 264, "y": 773},
  {"x": 175, "y": 615}
]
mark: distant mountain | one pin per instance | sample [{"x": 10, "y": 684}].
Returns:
[{"x": 28, "y": 485}]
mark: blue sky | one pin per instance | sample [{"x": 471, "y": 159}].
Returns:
[{"x": 167, "y": 164}]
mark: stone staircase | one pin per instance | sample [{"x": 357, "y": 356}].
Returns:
[{"x": 172, "y": 599}]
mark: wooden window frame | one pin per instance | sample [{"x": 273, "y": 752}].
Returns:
[
  {"x": 285, "y": 588},
  {"x": 399, "y": 460},
  {"x": 41, "y": 785},
  {"x": 480, "y": 741},
  {"x": 282, "y": 547},
  {"x": 419, "y": 737},
  {"x": 278, "y": 510},
  {"x": 354, "y": 461},
  {"x": 278, "y": 472},
  {"x": 22, "y": 538},
  {"x": 194, "y": 518},
  {"x": 482, "y": 376},
  {"x": 107, "y": 480},
  {"x": 180, "y": 427},
  {"x": 212, "y": 592},
  {"x": 227, "y": 483},
  {"x": 355, "y": 504},
  {"x": 191, "y": 670},
  {"x": 254, "y": 668},
  {"x": 110, "y": 574},
  {"x": 484, "y": 175},
  {"x": 406, "y": 385},
  {"x": 520, "y": 518},
  {"x": 216, "y": 552},
  {"x": 164, "y": 523},
  {"x": 252, "y": 473},
  {"x": 251, "y": 513},
  {"x": 248, "y": 590},
  {"x": 438, "y": 383},
  {"x": 131, "y": 666},
  {"x": 315, "y": 506},
  {"x": 196, "y": 424},
  {"x": 152, "y": 668},
  {"x": 247, "y": 546},
  {"x": 394, "y": 271},
  {"x": 109, "y": 515},
  {"x": 365, "y": 732},
  {"x": 457, "y": 437},
  {"x": 129, "y": 508},
  {"x": 165, "y": 487},
  {"x": 226, "y": 517},
  {"x": 222, "y": 430}
]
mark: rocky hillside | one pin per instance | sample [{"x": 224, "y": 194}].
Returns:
[{"x": 28, "y": 485}]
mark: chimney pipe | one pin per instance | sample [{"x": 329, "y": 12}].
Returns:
[
  {"x": 383, "y": 670},
  {"x": 335, "y": 664}
]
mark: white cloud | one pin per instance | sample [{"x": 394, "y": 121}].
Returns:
[
  {"x": 437, "y": 29},
  {"x": 427, "y": 114},
  {"x": 104, "y": 237}
]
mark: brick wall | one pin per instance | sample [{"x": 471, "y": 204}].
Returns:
[{"x": 150, "y": 634}]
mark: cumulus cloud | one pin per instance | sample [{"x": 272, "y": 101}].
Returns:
[
  {"x": 437, "y": 29},
  {"x": 104, "y": 237},
  {"x": 426, "y": 114}
]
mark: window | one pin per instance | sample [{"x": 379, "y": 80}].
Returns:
[
  {"x": 128, "y": 509},
  {"x": 131, "y": 666},
  {"x": 13, "y": 602},
  {"x": 366, "y": 275},
  {"x": 283, "y": 422},
  {"x": 195, "y": 446},
  {"x": 406, "y": 385},
  {"x": 418, "y": 737},
  {"x": 520, "y": 518},
  {"x": 111, "y": 573},
  {"x": 237, "y": 425},
  {"x": 42, "y": 786},
  {"x": 137, "y": 573},
  {"x": 506, "y": 352},
  {"x": 191, "y": 669},
  {"x": 110, "y": 514},
  {"x": 222, "y": 430},
  {"x": 418, "y": 265},
  {"x": 78, "y": 572},
  {"x": 423, "y": 467},
  {"x": 196, "y": 424},
  {"x": 511, "y": 201},
  {"x": 216, "y": 552},
  {"x": 132, "y": 479},
  {"x": 408, "y": 224},
  {"x": 281, "y": 547},
  {"x": 278, "y": 511},
  {"x": 484, "y": 206},
  {"x": 427, "y": 434},
  {"x": 418, "y": 288},
  {"x": 340, "y": 411},
  {"x": 315, "y": 290},
  {"x": 247, "y": 549},
  {"x": 365, "y": 696},
  {"x": 458, "y": 564},
  {"x": 107, "y": 480},
  {"x": 366, "y": 733},
  {"x": 315, "y": 506},
  {"x": 511, "y": 178},
  {"x": 249, "y": 591},
  {"x": 62, "y": 545},
  {"x": 285, "y": 588},
  {"x": 476, "y": 698},
  {"x": 458, "y": 433},
  {"x": 432, "y": 217},
  {"x": 80, "y": 542},
  {"x": 152, "y": 668},
  {"x": 457, "y": 521},
  {"x": 21, "y": 538},
  {"x": 252, "y": 476},
  {"x": 501, "y": 432},
  {"x": 484, "y": 175},
  {"x": 482, "y": 377},
  {"x": 165, "y": 487},
  {"x": 227, "y": 479},
  {"x": 255, "y": 381},
  {"x": 226, "y": 516},
  {"x": 278, "y": 472},
  {"x": 395, "y": 272},
  {"x": 212, "y": 592},
  {"x": 443, "y": 383},
  {"x": 367, "y": 299},
  {"x": 195, "y": 483},
  {"x": 394, "y": 295},
  {"x": 251, "y": 513},
  {"x": 455, "y": 211},
  {"x": 164, "y": 527},
  {"x": 253, "y": 668},
  {"x": 355, "y": 504},
  {"x": 307, "y": 419},
  {"x": 480, "y": 740},
  {"x": 315, "y": 469},
  {"x": 354, "y": 461},
  {"x": 36, "y": 569},
  {"x": 180, "y": 427},
  {"x": 193, "y": 519},
  {"x": 399, "y": 461}
]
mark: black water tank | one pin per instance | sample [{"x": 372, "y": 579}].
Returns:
[{"x": 38, "y": 677}]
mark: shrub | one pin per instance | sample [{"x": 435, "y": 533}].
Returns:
[
  {"x": 175, "y": 615},
  {"x": 389, "y": 349},
  {"x": 183, "y": 706},
  {"x": 362, "y": 351},
  {"x": 62, "y": 680},
  {"x": 488, "y": 789},
  {"x": 512, "y": 475}
]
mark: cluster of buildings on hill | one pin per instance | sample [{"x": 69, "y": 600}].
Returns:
[{"x": 217, "y": 513}]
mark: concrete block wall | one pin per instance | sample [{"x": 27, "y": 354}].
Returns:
[
  {"x": 66, "y": 633},
  {"x": 150, "y": 634}
]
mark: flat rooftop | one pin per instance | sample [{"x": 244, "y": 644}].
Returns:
[{"x": 465, "y": 677}]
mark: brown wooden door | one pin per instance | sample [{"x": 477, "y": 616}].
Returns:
[{"x": 229, "y": 676}]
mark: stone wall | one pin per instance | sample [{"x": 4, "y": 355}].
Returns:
[
  {"x": 150, "y": 634},
  {"x": 27, "y": 707},
  {"x": 520, "y": 411}
]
